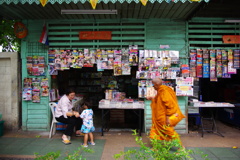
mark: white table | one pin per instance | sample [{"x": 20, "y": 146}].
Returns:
[{"x": 211, "y": 105}]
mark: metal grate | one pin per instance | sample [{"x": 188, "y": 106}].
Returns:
[
  {"x": 66, "y": 36},
  {"x": 36, "y": 48},
  {"x": 208, "y": 34}
]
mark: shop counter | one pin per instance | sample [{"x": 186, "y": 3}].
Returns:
[{"x": 213, "y": 109}]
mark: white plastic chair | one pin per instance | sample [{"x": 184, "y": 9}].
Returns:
[{"x": 54, "y": 121}]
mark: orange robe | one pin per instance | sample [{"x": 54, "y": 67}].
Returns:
[{"x": 164, "y": 104}]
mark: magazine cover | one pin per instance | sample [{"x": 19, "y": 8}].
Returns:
[
  {"x": 126, "y": 69},
  {"x": 185, "y": 70},
  {"x": 199, "y": 69},
  {"x": 236, "y": 58},
  {"x": 64, "y": 64},
  {"x": 44, "y": 82},
  {"x": 27, "y": 83},
  {"x": 231, "y": 70},
  {"x": 117, "y": 68},
  {"x": 166, "y": 62},
  {"x": 35, "y": 71},
  {"x": 36, "y": 84},
  {"x": 155, "y": 54},
  {"x": 36, "y": 96},
  {"x": 104, "y": 64},
  {"x": 52, "y": 69},
  {"x": 141, "y": 53},
  {"x": 193, "y": 62},
  {"x": 219, "y": 63},
  {"x": 142, "y": 92},
  {"x": 146, "y": 53},
  {"x": 174, "y": 55},
  {"x": 45, "y": 91},
  {"x": 125, "y": 55},
  {"x": 27, "y": 94},
  {"x": 150, "y": 64},
  {"x": 87, "y": 63},
  {"x": 133, "y": 59},
  {"x": 225, "y": 65},
  {"x": 142, "y": 64},
  {"x": 206, "y": 64},
  {"x": 213, "y": 76}
]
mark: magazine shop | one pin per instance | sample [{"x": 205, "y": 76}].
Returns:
[{"x": 111, "y": 62}]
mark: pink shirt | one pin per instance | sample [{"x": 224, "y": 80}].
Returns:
[{"x": 64, "y": 106}]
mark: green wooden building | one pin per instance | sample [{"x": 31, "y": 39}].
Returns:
[{"x": 160, "y": 22}]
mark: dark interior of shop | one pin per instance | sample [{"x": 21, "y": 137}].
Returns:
[
  {"x": 224, "y": 90},
  {"x": 89, "y": 81}
]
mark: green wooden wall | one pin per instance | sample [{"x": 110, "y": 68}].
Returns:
[
  {"x": 147, "y": 34},
  {"x": 35, "y": 116},
  {"x": 166, "y": 32}
]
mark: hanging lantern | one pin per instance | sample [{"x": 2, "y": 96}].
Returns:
[
  {"x": 144, "y": 2},
  {"x": 20, "y": 30},
  {"x": 93, "y": 3},
  {"x": 43, "y": 2}
]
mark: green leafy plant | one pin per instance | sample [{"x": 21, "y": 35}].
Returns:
[
  {"x": 160, "y": 150},
  {"x": 8, "y": 39},
  {"x": 55, "y": 155}
]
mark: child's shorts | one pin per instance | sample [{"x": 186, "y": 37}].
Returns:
[{"x": 85, "y": 129}]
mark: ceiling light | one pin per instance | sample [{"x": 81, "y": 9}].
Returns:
[
  {"x": 78, "y": 11},
  {"x": 232, "y": 20}
]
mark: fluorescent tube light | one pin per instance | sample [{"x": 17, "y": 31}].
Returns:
[
  {"x": 232, "y": 20},
  {"x": 79, "y": 11}
]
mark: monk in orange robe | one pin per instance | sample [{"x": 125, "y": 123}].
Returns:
[{"x": 163, "y": 105}]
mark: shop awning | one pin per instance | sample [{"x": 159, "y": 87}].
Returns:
[
  {"x": 177, "y": 10},
  {"x": 99, "y": 1}
]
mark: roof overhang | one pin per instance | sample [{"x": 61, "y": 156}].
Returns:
[{"x": 164, "y": 9}]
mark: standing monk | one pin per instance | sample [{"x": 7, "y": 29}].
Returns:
[{"x": 163, "y": 105}]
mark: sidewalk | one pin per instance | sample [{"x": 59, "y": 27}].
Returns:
[{"x": 22, "y": 145}]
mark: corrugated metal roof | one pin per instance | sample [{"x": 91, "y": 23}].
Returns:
[
  {"x": 170, "y": 9},
  {"x": 179, "y": 10}
]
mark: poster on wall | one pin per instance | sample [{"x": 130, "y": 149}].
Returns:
[{"x": 184, "y": 86}]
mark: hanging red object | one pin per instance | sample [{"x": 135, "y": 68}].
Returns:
[{"x": 20, "y": 30}]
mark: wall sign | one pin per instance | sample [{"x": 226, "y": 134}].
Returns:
[
  {"x": 20, "y": 30},
  {"x": 95, "y": 35},
  {"x": 233, "y": 39}
]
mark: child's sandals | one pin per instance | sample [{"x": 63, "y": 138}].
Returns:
[
  {"x": 93, "y": 144},
  {"x": 84, "y": 145}
]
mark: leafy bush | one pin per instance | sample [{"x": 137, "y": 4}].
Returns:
[
  {"x": 161, "y": 150},
  {"x": 55, "y": 155}
]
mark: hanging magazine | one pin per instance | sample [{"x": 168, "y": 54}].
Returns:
[
  {"x": 36, "y": 96},
  {"x": 213, "y": 76},
  {"x": 27, "y": 94},
  {"x": 231, "y": 70},
  {"x": 126, "y": 69}
]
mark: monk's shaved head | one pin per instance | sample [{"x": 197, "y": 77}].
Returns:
[{"x": 157, "y": 81}]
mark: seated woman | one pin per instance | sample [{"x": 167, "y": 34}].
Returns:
[{"x": 65, "y": 114}]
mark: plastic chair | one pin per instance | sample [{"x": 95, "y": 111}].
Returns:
[{"x": 54, "y": 121}]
